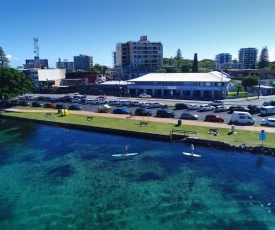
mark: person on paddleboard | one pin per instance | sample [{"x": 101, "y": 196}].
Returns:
[
  {"x": 126, "y": 150},
  {"x": 192, "y": 149}
]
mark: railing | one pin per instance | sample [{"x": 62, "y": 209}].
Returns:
[{"x": 182, "y": 133}]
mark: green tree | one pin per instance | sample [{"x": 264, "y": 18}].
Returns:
[
  {"x": 172, "y": 70},
  {"x": 239, "y": 88},
  {"x": 195, "y": 66},
  {"x": 250, "y": 80},
  {"x": 13, "y": 83},
  {"x": 272, "y": 66},
  {"x": 263, "y": 58},
  {"x": 165, "y": 61},
  {"x": 59, "y": 65},
  {"x": 178, "y": 55},
  {"x": 235, "y": 61},
  {"x": 97, "y": 68},
  {"x": 161, "y": 70},
  {"x": 4, "y": 61},
  {"x": 206, "y": 63},
  {"x": 185, "y": 68}
]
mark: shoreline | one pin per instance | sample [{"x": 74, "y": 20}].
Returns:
[{"x": 183, "y": 138}]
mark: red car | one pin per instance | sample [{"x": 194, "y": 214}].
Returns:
[
  {"x": 102, "y": 97},
  {"x": 49, "y": 105},
  {"x": 214, "y": 117}
]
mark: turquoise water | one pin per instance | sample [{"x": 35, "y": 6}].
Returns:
[{"x": 56, "y": 178}]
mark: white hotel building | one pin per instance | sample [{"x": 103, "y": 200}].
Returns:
[{"x": 212, "y": 85}]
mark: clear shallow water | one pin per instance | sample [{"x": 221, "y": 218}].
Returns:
[{"x": 56, "y": 178}]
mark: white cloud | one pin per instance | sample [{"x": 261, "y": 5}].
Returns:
[
  {"x": 272, "y": 54},
  {"x": 11, "y": 58}
]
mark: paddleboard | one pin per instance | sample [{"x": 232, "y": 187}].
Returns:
[
  {"x": 124, "y": 155},
  {"x": 190, "y": 154}
]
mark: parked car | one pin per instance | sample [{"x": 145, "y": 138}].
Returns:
[
  {"x": 77, "y": 100},
  {"x": 267, "y": 103},
  {"x": 121, "y": 111},
  {"x": 269, "y": 121},
  {"x": 144, "y": 95},
  {"x": 66, "y": 99},
  {"x": 79, "y": 96},
  {"x": 99, "y": 101},
  {"x": 14, "y": 102},
  {"x": 206, "y": 107},
  {"x": 61, "y": 106},
  {"x": 114, "y": 102},
  {"x": 124, "y": 103},
  {"x": 102, "y": 97},
  {"x": 165, "y": 113},
  {"x": 189, "y": 116},
  {"x": 237, "y": 108},
  {"x": 24, "y": 103},
  {"x": 216, "y": 103},
  {"x": 214, "y": 117},
  {"x": 104, "y": 108},
  {"x": 221, "y": 108},
  {"x": 134, "y": 103},
  {"x": 145, "y": 104},
  {"x": 193, "y": 107},
  {"x": 156, "y": 105},
  {"x": 253, "y": 109},
  {"x": 242, "y": 118},
  {"x": 49, "y": 105},
  {"x": 37, "y": 104},
  {"x": 180, "y": 105},
  {"x": 75, "y": 107},
  {"x": 143, "y": 112}
]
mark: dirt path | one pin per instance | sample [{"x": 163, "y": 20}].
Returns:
[{"x": 156, "y": 119}]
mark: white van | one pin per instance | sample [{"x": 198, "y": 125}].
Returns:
[
  {"x": 124, "y": 103},
  {"x": 242, "y": 118}
]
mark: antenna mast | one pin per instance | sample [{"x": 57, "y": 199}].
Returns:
[{"x": 36, "y": 51}]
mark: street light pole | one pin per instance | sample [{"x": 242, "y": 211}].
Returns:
[
  {"x": 221, "y": 80},
  {"x": 259, "y": 82}
]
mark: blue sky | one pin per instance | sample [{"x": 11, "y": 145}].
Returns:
[{"x": 67, "y": 28}]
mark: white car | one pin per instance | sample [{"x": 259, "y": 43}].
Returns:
[
  {"x": 221, "y": 108},
  {"x": 216, "y": 103},
  {"x": 145, "y": 104},
  {"x": 193, "y": 107},
  {"x": 134, "y": 103},
  {"x": 206, "y": 107},
  {"x": 124, "y": 103},
  {"x": 156, "y": 105},
  {"x": 114, "y": 102},
  {"x": 99, "y": 101},
  {"x": 144, "y": 95},
  {"x": 268, "y": 121},
  {"x": 76, "y": 100}
]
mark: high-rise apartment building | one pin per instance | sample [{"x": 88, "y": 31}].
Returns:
[
  {"x": 65, "y": 64},
  {"x": 248, "y": 57},
  {"x": 223, "y": 60},
  {"x": 137, "y": 58},
  {"x": 83, "y": 62}
]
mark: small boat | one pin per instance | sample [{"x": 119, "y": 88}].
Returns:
[{"x": 104, "y": 108}]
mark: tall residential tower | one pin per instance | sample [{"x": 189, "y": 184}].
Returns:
[
  {"x": 248, "y": 57},
  {"x": 136, "y": 58}
]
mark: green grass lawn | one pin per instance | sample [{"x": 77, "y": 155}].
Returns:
[{"x": 249, "y": 138}]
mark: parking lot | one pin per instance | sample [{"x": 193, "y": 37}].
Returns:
[{"x": 170, "y": 106}]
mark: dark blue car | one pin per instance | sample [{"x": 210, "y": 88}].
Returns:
[{"x": 121, "y": 111}]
